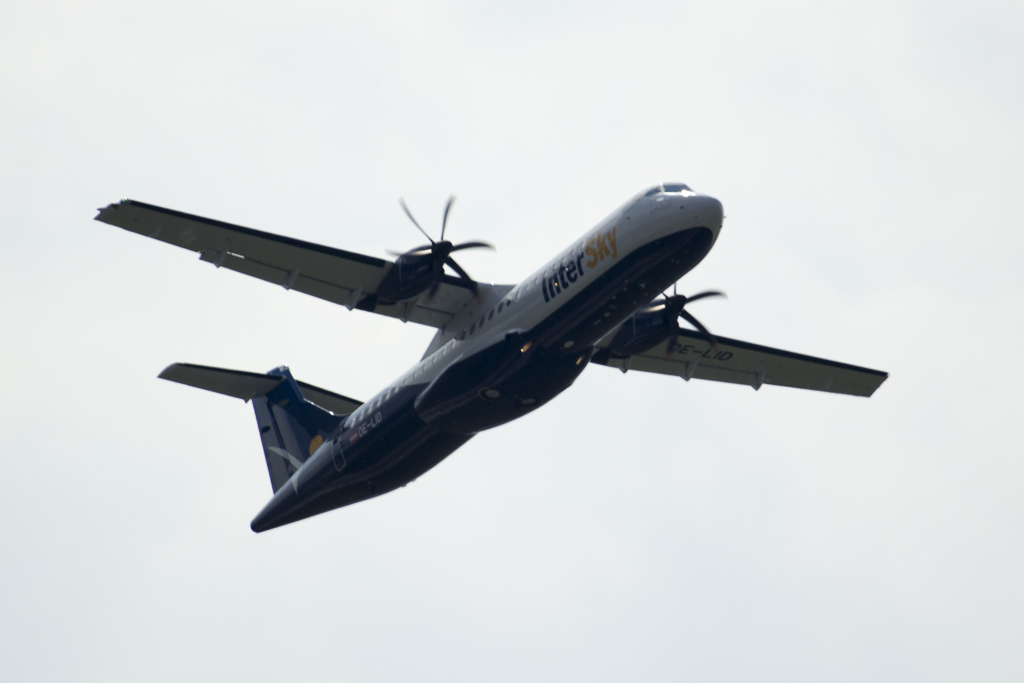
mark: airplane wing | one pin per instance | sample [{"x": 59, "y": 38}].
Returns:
[
  {"x": 341, "y": 277},
  {"x": 740, "y": 362}
]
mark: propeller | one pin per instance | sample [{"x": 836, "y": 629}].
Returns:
[
  {"x": 675, "y": 307},
  {"x": 441, "y": 250}
]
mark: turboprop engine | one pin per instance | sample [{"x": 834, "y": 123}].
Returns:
[
  {"x": 650, "y": 326},
  {"x": 421, "y": 269}
]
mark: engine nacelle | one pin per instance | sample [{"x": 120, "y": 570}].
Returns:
[
  {"x": 641, "y": 332},
  {"x": 410, "y": 276}
]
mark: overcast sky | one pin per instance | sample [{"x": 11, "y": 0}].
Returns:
[{"x": 869, "y": 156}]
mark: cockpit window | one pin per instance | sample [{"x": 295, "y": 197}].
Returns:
[
  {"x": 654, "y": 190},
  {"x": 677, "y": 187}
]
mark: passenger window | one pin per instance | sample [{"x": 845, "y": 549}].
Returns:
[
  {"x": 462, "y": 337},
  {"x": 501, "y": 306}
]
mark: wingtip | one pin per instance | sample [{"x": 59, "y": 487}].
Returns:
[
  {"x": 166, "y": 371},
  {"x": 885, "y": 376},
  {"x": 113, "y": 206}
]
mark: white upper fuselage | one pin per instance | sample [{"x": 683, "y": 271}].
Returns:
[{"x": 649, "y": 216}]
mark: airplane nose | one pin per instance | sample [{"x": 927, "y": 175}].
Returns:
[{"x": 710, "y": 214}]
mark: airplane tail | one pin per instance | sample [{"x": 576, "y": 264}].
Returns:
[{"x": 294, "y": 418}]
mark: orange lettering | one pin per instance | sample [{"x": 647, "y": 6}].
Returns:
[
  {"x": 602, "y": 250},
  {"x": 591, "y": 252}
]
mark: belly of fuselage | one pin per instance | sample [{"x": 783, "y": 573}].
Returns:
[{"x": 497, "y": 385}]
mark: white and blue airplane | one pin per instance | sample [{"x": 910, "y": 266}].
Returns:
[{"x": 500, "y": 352}]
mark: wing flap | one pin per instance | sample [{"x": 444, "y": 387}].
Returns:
[
  {"x": 289, "y": 279},
  {"x": 739, "y": 362}
]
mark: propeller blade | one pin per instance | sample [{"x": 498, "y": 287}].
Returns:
[
  {"x": 474, "y": 245},
  {"x": 440, "y": 250},
  {"x": 447, "y": 208},
  {"x": 425, "y": 249},
  {"x": 458, "y": 269},
  {"x": 673, "y": 336},
  {"x": 435, "y": 280},
  {"x": 700, "y": 328},
  {"x": 678, "y": 300},
  {"x": 704, "y": 295},
  {"x": 409, "y": 214}
]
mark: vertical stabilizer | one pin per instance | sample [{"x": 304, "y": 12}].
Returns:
[{"x": 291, "y": 426}]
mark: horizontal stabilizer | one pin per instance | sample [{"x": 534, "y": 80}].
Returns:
[
  {"x": 250, "y": 385},
  {"x": 294, "y": 418},
  {"x": 336, "y": 403},
  {"x": 243, "y": 385}
]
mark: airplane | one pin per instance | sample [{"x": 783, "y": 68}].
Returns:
[{"x": 500, "y": 351}]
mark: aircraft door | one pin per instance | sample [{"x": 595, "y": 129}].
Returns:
[{"x": 338, "y": 455}]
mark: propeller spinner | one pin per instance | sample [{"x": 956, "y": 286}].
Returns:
[{"x": 440, "y": 251}]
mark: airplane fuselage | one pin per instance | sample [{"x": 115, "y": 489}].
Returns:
[{"x": 505, "y": 355}]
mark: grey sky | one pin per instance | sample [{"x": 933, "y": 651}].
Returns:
[{"x": 869, "y": 157}]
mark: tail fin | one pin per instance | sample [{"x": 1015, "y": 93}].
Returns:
[{"x": 291, "y": 426}]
